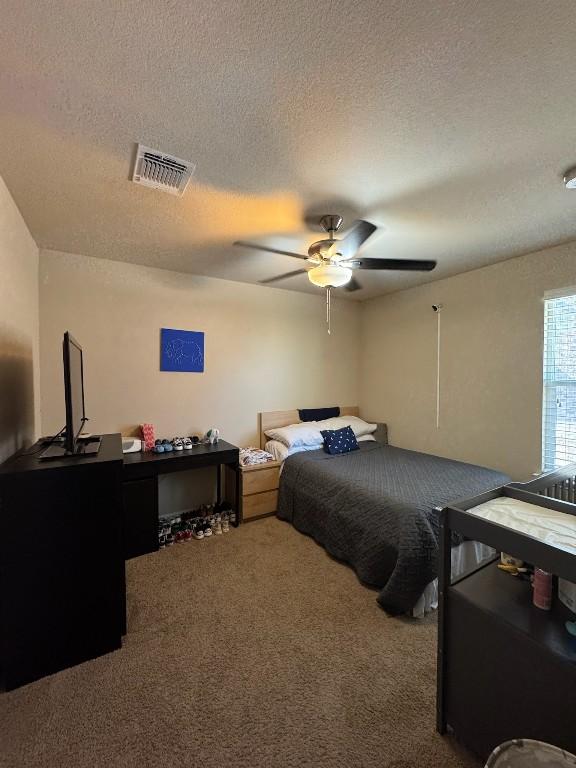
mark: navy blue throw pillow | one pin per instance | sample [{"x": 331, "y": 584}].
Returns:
[
  {"x": 318, "y": 414},
  {"x": 339, "y": 440}
]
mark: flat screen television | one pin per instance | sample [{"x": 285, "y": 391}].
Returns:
[
  {"x": 72, "y": 444},
  {"x": 73, "y": 391}
]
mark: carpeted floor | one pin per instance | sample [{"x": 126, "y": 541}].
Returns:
[{"x": 248, "y": 649}]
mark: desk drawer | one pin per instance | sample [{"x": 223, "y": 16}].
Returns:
[
  {"x": 259, "y": 504},
  {"x": 257, "y": 481}
]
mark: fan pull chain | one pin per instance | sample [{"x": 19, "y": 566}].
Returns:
[{"x": 328, "y": 289}]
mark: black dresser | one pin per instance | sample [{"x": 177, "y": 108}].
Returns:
[{"x": 62, "y": 578}]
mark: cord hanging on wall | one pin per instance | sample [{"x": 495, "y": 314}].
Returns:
[{"x": 438, "y": 309}]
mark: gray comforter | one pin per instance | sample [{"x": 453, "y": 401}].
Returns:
[{"x": 375, "y": 509}]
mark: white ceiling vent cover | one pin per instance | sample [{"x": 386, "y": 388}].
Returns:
[{"x": 159, "y": 171}]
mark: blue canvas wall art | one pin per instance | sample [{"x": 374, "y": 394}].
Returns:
[{"x": 181, "y": 350}]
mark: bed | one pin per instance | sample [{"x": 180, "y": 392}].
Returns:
[{"x": 377, "y": 509}]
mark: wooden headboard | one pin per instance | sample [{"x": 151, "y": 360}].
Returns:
[{"x": 274, "y": 419}]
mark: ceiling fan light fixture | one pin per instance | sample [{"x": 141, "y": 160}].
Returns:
[
  {"x": 570, "y": 179},
  {"x": 330, "y": 275}
]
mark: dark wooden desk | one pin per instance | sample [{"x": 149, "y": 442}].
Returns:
[
  {"x": 62, "y": 586},
  {"x": 66, "y": 526},
  {"x": 140, "y": 487}
]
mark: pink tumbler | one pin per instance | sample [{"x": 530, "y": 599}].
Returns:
[{"x": 542, "y": 597}]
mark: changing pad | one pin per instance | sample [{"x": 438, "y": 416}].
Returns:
[{"x": 554, "y": 528}]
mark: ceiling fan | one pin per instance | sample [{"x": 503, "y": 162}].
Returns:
[{"x": 334, "y": 260}]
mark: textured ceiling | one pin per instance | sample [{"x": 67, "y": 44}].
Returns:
[{"x": 447, "y": 123}]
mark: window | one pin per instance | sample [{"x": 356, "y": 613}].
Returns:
[{"x": 559, "y": 403}]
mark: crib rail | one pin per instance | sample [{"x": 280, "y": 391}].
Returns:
[
  {"x": 559, "y": 484},
  {"x": 563, "y": 490}
]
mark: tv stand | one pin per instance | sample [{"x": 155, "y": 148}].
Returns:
[
  {"x": 84, "y": 447},
  {"x": 62, "y": 586}
]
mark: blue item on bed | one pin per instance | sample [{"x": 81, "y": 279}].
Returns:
[
  {"x": 339, "y": 440},
  {"x": 318, "y": 414}
]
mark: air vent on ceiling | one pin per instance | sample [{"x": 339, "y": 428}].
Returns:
[{"x": 159, "y": 171}]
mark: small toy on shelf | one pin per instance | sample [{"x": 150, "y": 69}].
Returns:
[
  {"x": 512, "y": 565},
  {"x": 212, "y": 436}
]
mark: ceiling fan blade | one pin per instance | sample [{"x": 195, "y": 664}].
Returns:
[
  {"x": 353, "y": 285},
  {"x": 360, "y": 232},
  {"x": 269, "y": 250},
  {"x": 400, "y": 265},
  {"x": 284, "y": 276}
]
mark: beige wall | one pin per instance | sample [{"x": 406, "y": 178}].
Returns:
[
  {"x": 266, "y": 348},
  {"x": 19, "y": 371},
  {"x": 491, "y": 361}
]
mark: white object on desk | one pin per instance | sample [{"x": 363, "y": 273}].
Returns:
[{"x": 131, "y": 444}]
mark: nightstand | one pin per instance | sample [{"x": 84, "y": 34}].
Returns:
[{"x": 259, "y": 490}]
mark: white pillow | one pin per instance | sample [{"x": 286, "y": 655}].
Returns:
[
  {"x": 281, "y": 452},
  {"x": 307, "y": 433},
  {"x": 359, "y": 426},
  {"x": 295, "y": 435},
  {"x": 277, "y": 449}
]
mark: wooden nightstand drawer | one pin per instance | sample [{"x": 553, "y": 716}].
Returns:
[
  {"x": 259, "y": 504},
  {"x": 258, "y": 489},
  {"x": 257, "y": 481}
]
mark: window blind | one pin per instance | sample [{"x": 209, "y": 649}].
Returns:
[{"x": 559, "y": 397}]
